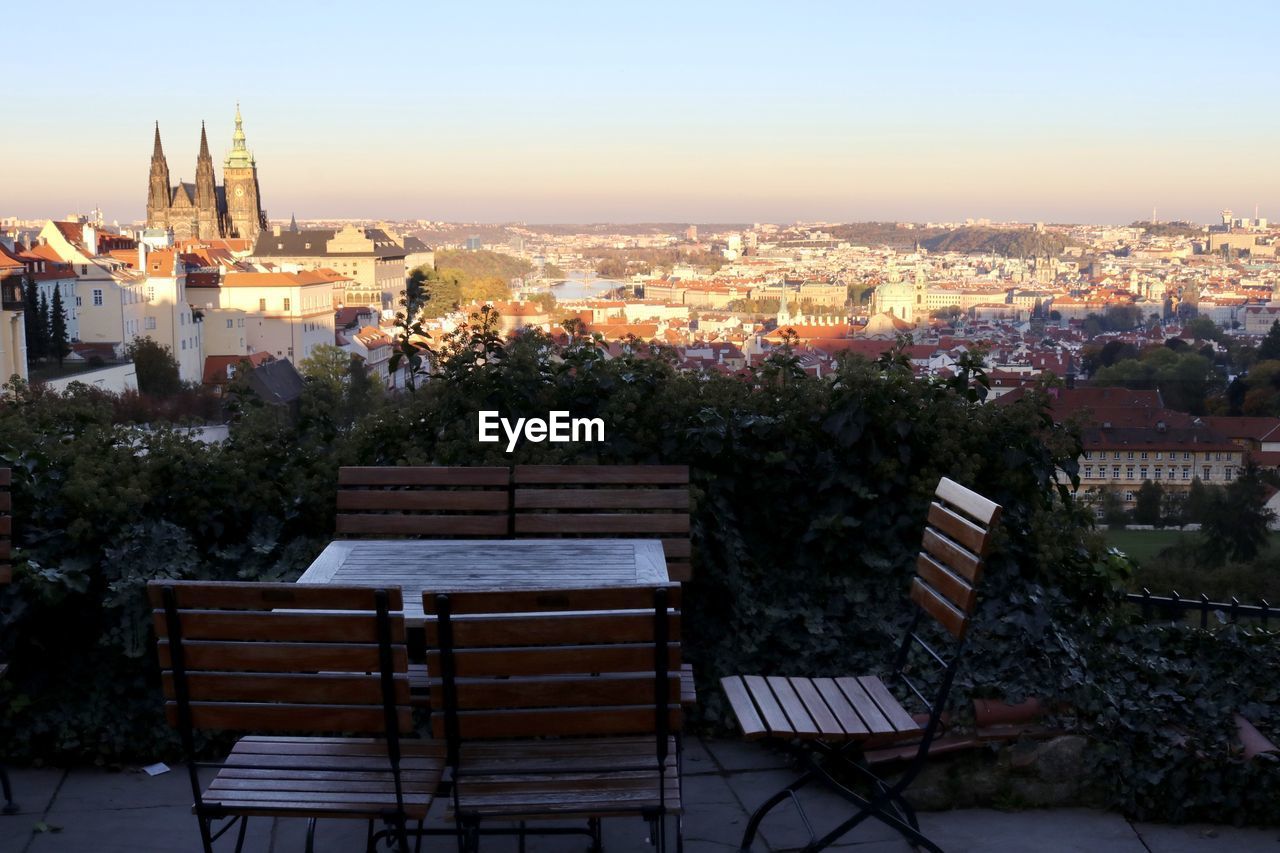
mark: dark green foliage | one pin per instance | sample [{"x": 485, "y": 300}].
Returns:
[
  {"x": 42, "y": 327},
  {"x": 1147, "y": 508},
  {"x": 155, "y": 366},
  {"x": 59, "y": 347},
  {"x": 1269, "y": 349},
  {"x": 808, "y": 502},
  {"x": 1012, "y": 243},
  {"x": 1235, "y": 521},
  {"x": 482, "y": 263},
  {"x": 31, "y": 321}
]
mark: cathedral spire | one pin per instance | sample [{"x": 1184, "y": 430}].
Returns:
[
  {"x": 157, "y": 150},
  {"x": 204, "y": 144},
  {"x": 239, "y": 158},
  {"x": 293, "y": 223}
]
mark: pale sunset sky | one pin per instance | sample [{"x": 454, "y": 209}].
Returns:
[{"x": 655, "y": 111}]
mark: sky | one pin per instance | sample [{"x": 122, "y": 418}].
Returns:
[{"x": 691, "y": 111}]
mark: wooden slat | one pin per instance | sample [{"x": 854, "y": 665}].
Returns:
[
  {"x": 618, "y": 689},
  {"x": 409, "y": 475},
  {"x": 6, "y": 525},
  {"x": 967, "y": 501},
  {"x": 937, "y": 606},
  {"x": 6, "y": 574},
  {"x": 680, "y": 571},
  {"x": 270, "y": 596},
  {"x": 815, "y": 706},
  {"x": 767, "y": 703},
  {"x": 552, "y": 600},
  {"x": 958, "y": 528},
  {"x": 951, "y": 554},
  {"x": 744, "y": 710},
  {"x": 840, "y": 707},
  {"x": 286, "y": 625},
  {"x": 801, "y": 723},
  {"x": 872, "y": 717},
  {"x": 4, "y": 549},
  {"x": 422, "y": 500},
  {"x": 282, "y": 657},
  {"x": 6, "y": 501},
  {"x": 602, "y": 499},
  {"x": 561, "y": 660},
  {"x": 563, "y": 722},
  {"x": 303, "y": 688},
  {"x": 677, "y": 548},
  {"x": 621, "y": 523},
  {"x": 553, "y": 629},
  {"x": 6, "y": 476},
  {"x": 423, "y": 525},
  {"x": 888, "y": 704},
  {"x": 289, "y": 718},
  {"x": 952, "y": 586},
  {"x": 580, "y": 474}
]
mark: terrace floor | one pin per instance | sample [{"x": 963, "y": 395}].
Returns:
[{"x": 97, "y": 811}]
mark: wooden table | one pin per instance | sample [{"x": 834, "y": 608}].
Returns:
[{"x": 460, "y": 565}]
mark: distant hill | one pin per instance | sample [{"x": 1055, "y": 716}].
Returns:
[
  {"x": 998, "y": 241},
  {"x": 482, "y": 264}
]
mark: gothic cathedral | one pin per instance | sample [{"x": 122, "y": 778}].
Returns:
[{"x": 204, "y": 210}]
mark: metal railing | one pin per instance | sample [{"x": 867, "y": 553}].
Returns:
[{"x": 1179, "y": 606}]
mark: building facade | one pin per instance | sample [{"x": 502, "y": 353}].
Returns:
[{"x": 372, "y": 261}]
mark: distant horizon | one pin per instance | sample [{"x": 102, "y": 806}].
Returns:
[{"x": 662, "y": 111}]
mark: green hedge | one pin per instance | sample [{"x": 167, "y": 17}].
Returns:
[{"x": 809, "y": 497}]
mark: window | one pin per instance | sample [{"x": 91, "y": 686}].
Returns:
[
  {"x": 1228, "y": 473},
  {"x": 184, "y": 343},
  {"x": 1128, "y": 497},
  {"x": 286, "y": 304},
  {"x": 151, "y": 293},
  {"x": 1088, "y": 455},
  {"x": 228, "y": 322},
  {"x": 1115, "y": 455},
  {"x": 1186, "y": 472},
  {"x": 1142, "y": 473},
  {"x": 1115, "y": 472},
  {"x": 151, "y": 322},
  {"x": 262, "y": 305},
  {"x": 1159, "y": 455},
  {"x": 97, "y": 296},
  {"x": 1130, "y": 456},
  {"x": 1205, "y": 470},
  {"x": 1088, "y": 472},
  {"x": 84, "y": 269},
  {"x": 1128, "y": 472},
  {"x": 1158, "y": 472},
  {"x": 1186, "y": 455},
  {"x": 79, "y": 302},
  {"x": 239, "y": 322}
]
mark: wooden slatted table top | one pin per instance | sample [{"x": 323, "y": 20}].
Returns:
[{"x": 474, "y": 565}]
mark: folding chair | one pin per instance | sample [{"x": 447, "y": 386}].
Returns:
[
  {"x": 284, "y": 658},
  {"x": 829, "y": 721}
]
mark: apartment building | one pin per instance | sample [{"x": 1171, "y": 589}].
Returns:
[
  {"x": 285, "y": 314},
  {"x": 110, "y": 297},
  {"x": 372, "y": 262}
]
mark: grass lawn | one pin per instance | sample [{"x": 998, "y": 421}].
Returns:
[{"x": 1141, "y": 545}]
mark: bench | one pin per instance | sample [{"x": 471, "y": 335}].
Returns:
[
  {"x": 268, "y": 658},
  {"x": 524, "y": 502},
  {"x": 558, "y": 705}
]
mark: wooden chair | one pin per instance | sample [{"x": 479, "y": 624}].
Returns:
[
  {"x": 558, "y": 704},
  {"x": 6, "y": 576},
  {"x": 617, "y": 501},
  {"x": 259, "y": 657},
  {"x": 424, "y": 502},
  {"x": 830, "y": 720}
]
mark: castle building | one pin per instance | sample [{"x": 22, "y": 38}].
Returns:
[{"x": 203, "y": 210}]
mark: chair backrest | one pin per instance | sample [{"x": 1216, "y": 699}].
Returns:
[
  {"x": 424, "y": 501},
  {"x": 6, "y": 526},
  {"x": 534, "y": 663},
  {"x": 618, "y": 501},
  {"x": 957, "y": 539},
  {"x": 276, "y": 657}
]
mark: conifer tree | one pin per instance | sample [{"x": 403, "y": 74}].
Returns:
[
  {"x": 58, "y": 344},
  {"x": 42, "y": 326},
  {"x": 31, "y": 320}
]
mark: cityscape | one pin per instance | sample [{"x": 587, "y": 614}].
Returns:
[{"x": 631, "y": 426}]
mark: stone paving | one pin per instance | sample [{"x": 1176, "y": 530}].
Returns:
[{"x": 95, "y": 811}]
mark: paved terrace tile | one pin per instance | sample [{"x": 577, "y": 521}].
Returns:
[{"x": 97, "y": 811}]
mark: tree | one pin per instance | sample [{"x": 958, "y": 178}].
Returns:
[
  {"x": 1202, "y": 329},
  {"x": 156, "y": 369},
  {"x": 42, "y": 326},
  {"x": 327, "y": 365},
  {"x": 1269, "y": 349},
  {"x": 490, "y": 288},
  {"x": 1146, "y": 510},
  {"x": 31, "y": 321},
  {"x": 58, "y": 344},
  {"x": 1237, "y": 521}
]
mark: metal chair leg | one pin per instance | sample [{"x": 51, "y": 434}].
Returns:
[
  {"x": 311, "y": 835},
  {"x": 753, "y": 824},
  {"x": 10, "y": 807}
]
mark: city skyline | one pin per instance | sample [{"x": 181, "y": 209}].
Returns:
[{"x": 568, "y": 113}]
